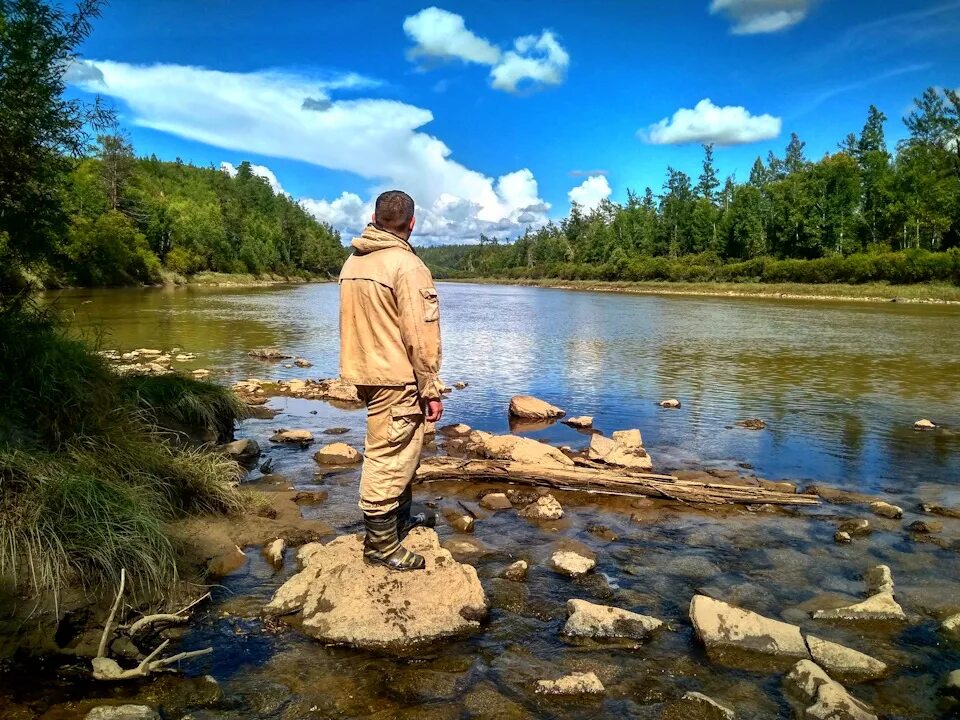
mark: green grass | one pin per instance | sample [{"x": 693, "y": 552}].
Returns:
[{"x": 89, "y": 473}]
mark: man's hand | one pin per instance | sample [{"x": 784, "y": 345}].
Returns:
[{"x": 434, "y": 410}]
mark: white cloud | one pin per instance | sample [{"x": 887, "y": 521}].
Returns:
[
  {"x": 591, "y": 192},
  {"x": 442, "y": 34},
  {"x": 347, "y": 213},
  {"x": 258, "y": 170},
  {"x": 708, "y": 123},
  {"x": 752, "y": 17},
  {"x": 376, "y": 139},
  {"x": 534, "y": 61}
]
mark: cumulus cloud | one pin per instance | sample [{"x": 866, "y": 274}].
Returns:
[
  {"x": 591, "y": 192},
  {"x": 709, "y": 123},
  {"x": 260, "y": 171},
  {"x": 534, "y": 61},
  {"x": 377, "y": 139},
  {"x": 753, "y": 17},
  {"x": 442, "y": 34}
]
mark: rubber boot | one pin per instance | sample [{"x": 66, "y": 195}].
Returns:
[
  {"x": 407, "y": 520},
  {"x": 382, "y": 544}
]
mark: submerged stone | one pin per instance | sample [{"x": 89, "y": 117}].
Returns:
[
  {"x": 122, "y": 712},
  {"x": 578, "y": 683},
  {"x": 721, "y": 626},
  {"x": 345, "y": 600},
  {"x": 845, "y": 662},
  {"x": 589, "y": 620},
  {"x": 696, "y": 706},
  {"x": 826, "y": 699}
]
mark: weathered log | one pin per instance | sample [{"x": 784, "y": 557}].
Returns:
[{"x": 603, "y": 481}]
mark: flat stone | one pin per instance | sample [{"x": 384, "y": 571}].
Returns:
[
  {"x": 123, "y": 712},
  {"x": 546, "y": 507},
  {"x": 531, "y": 408},
  {"x": 589, "y": 620},
  {"x": 516, "y": 571},
  {"x": 496, "y": 501},
  {"x": 881, "y": 606},
  {"x": 337, "y": 454},
  {"x": 583, "y": 421},
  {"x": 723, "y": 626},
  {"x": 885, "y": 509},
  {"x": 458, "y": 430},
  {"x": 571, "y": 563},
  {"x": 631, "y": 439},
  {"x": 604, "y": 449},
  {"x": 830, "y": 700},
  {"x": 696, "y": 706},
  {"x": 292, "y": 436},
  {"x": 671, "y": 404},
  {"x": 879, "y": 579},
  {"x": 841, "y": 661},
  {"x": 345, "y": 600},
  {"x": 578, "y": 683},
  {"x": 518, "y": 449}
]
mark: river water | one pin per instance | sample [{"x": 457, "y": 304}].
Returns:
[{"x": 839, "y": 386}]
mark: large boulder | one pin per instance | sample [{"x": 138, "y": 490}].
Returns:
[
  {"x": 345, "y": 600},
  {"x": 602, "y": 622},
  {"x": 546, "y": 507},
  {"x": 518, "y": 449},
  {"x": 531, "y": 408},
  {"x": 628, "y": 438},
  {"x": 724, "y": 627},
  {"x": 611, "y": 452},
  {"x": 825, "y": 698}
]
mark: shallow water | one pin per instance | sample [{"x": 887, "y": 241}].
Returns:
[{"x": 839, "y": 386}]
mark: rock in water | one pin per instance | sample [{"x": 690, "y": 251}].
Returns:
[
  {"x": 951, "y": 624},
  {"x": 545, "y": 507},
  {"x": 611, "y": 452},
  {"x": 458, "y": 430},
  {"x": 631, "y": 439},
  {"x": 830, "y": 699},
  {"x": 273, "y": 551},
  {"x": 751, "y": 424},
  {"x": 924, "y": 424},
  {"x": 952, "y": 685},
  {"x": 671, "y": 404},
  {"x": 577, "y": 683},
  {"x": 531, "y": 408},
  {"x": 302, "y": 363},
  {"x": 495, "y": 501},
  {"x": 881, "y": 606},
  {"x": 518, "y": 449},
  {"x": 122, "y": 712},
  {"x": 571, "y": 563},
  {"x": 885, "y": 509},
  {"x": 516, "y": 571},
  {"x": 724, "y": 627},
  {"x": 845, "y": 662},
  {"x": 337, "y": 454},
  {"x": 603, "y": 622},
  {"x": 269, "y": 353},
  {"x": 696, "y": 706},
  {"x": 584, "y": 421},
  {"x": 304, "y": 437},
  {"x": 879, "y": 580},
  {"x": 244, "y": 450},
  {"x": 347, "y": 601}
]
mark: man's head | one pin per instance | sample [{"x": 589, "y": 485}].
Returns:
[{"x": 394, "y": 213}]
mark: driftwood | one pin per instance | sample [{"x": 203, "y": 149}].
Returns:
[{"x": 604, "y": 480}]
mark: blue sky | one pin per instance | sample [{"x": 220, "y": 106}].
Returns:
[{"x": 495, "y": 115}]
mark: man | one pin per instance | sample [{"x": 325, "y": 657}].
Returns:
[{"x": 390, "y": 349}]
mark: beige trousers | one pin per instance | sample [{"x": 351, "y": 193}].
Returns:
[{"x": 393, "y": 445}]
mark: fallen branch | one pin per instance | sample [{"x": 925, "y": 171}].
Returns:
[
  {"x": 177, "y": 617},
  {"x": 604, "y": 480}
]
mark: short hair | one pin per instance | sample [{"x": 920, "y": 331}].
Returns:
[{"x": 394, "y": 210}]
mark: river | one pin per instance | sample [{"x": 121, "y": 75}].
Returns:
[{"x": 838, "y": 385}]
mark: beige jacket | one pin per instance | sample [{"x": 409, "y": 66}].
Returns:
[{"x": 389, "y": 316}]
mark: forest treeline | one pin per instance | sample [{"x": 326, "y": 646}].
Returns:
[{"x": 863, "y": 213}]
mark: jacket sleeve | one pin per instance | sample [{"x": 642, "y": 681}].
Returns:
[{"x": 419, "y": 309}]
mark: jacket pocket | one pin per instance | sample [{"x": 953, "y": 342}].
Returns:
[
  {"x": 404, "y": 421},
  {"x": 431, "y": 304}
]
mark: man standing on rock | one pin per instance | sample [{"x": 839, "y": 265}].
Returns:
[{"x": 390, "y": 349}]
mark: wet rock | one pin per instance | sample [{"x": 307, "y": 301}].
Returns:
[
  {"x": 631, "y": 439},
  {"x": 925, "y": 527},
  {"x": 951, "y": 625},
  {"x": 465, "y": 547},
  {"x": 952, "y": 685},
  {"x": 571, "y": 564},
  {"x": 841, "y": 497},
  {"x": 830, "y": 700},
  {"x": 518, "y": 449},
  {"x": 671, "y": 404},
  {"x": 200, "y": 373},
  {"x": 311, "y": 497},
  {"x": 546, "y": 507},
  {"x": 580, "y": 422},
  {"x": 578, "y": 683},
  {"x": 522, "y": 498},
  {"x": 841, "y": 661},
  {"x": 751, "y": 424},
  {"x": 122, "y": 712},
  {"x": 302, "y": 362},
  {"x": 531, "y": 408},
  {"x": 302, "y": 437},
  {"x": 458, "y": 430},
  {"x": 885, "y": 509},
  {"x": 603, "y": 449},
  {"x": 696, "y": 706},
  {"x": 459, "y": 521},
  {"x": 924, "y": 424},
  {"x": 602, "y": 622},
  {"x": 243, "y": 450},
  {"x": 496, "y": 501},
  {"x": 879, "y": 579},
  {"x": 881, "y": 606},
  {"x": 855, "y": 527},
  {"x": 940, "y": 510},
  {"x": 721, "y": 626},
  {"x": 269, "y": 353},
  {"x": 124, "y": 647},
  {"x": 603, "y": 533},
  {"x": 485, "y": 701},
  {"x": 842, "y": 537},
  {"x": 226, "y": 562},
  {"x": 349, "y": 601},
  {"x": 461, "y": 385},
  {"x": 337, "y": 454},
  {"x": 337, "y": 390},
  {"x": 273, "y": 551},
  {"x": 516, "y": 571}
]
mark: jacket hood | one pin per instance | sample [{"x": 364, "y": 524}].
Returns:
[{"x": 373, "y": 238}]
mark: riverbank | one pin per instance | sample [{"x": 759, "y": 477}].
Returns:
[
  {"x": 942, "y": 294},
  {"x": 216, "y": 279}
]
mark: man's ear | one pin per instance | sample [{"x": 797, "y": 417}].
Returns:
[
  {"x": 413, "y": 221},
  {"x": 373, "y": 218}
]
